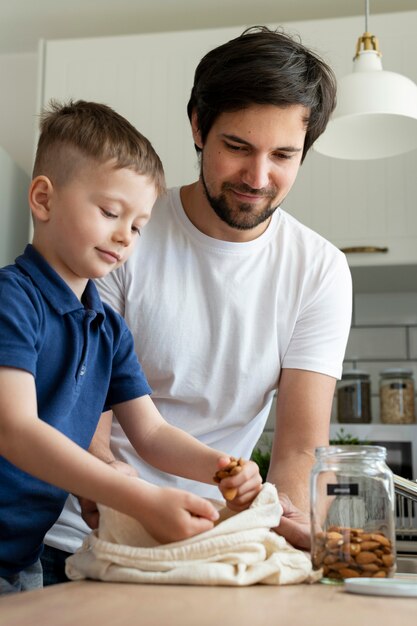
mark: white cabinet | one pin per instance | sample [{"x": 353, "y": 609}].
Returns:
[
  {"x": 148, "y": 79},
  {"x": 361, "y": 204}
]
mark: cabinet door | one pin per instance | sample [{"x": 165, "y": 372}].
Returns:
[{"x": 148, "y": 79}]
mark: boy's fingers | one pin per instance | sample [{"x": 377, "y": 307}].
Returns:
[
  {"x": 223, "y": 462},
  {"x": 200, "y": 508},
  {"x": 199, "y": 525}
]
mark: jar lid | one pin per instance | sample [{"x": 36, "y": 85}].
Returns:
[
  {"x": 355, "y": 374},
  {"x": 348, "y": 452},
  {"x": 396, "y": 372}
]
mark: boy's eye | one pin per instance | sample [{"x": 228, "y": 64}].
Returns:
[
  {"x": 136, "y": 230},
  {"x": 108, "y": 213}
]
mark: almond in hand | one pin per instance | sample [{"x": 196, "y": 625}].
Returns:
[{"x": 234, "y": 467}]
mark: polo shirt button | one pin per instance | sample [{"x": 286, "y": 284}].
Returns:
[{"x": 83, "y": 370}]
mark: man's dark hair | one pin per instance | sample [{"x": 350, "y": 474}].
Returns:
[{"x": 263, "y": 66}]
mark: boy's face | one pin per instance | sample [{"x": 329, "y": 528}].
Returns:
[{"x": 94, "y": 221}]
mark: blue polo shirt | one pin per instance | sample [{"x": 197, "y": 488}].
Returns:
[{"x": 82, "y": 357}]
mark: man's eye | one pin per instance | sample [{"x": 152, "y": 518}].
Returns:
[{"x": 235, "y": 148}]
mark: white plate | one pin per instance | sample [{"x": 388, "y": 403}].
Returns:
[{"x": 401, "y": 585}]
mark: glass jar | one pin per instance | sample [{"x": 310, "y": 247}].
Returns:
[
  {"x": 396, "y": 396},
  {"x": 354, "y": 398},
  {"x": 352, "y": 513}
]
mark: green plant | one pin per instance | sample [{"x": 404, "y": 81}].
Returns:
[
  {"x": 345, "y": 439},
  {"x": 262, "y": 454},
  {"x": 262, "y": 459}
]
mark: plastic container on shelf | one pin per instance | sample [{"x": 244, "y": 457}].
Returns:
[
  {"x": 352, "y": 513},
  {"x": 354, "y": 398},
  {"x": 396, "y": 396}
]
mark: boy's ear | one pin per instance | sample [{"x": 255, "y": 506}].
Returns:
[
  {"x": 196, "y": 130},
  {"x": 40, "y": 192}
]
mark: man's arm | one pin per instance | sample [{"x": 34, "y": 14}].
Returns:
[
  {"x": 100, "y": 445},
  {"x": 302, "y": 423}
]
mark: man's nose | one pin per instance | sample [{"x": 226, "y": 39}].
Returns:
[{"x": 257, "y": 172}]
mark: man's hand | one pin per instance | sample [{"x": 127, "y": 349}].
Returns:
[
  {"x": 294, "y": 525},
  {"x": 89, "y": 511}
]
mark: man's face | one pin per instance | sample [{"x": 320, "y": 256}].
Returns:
[{"x": 250, "y": 160}]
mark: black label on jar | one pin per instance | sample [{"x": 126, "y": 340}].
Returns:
[
  {"x": 398, "y": 386},
  {"x": 343, "y": 489}
]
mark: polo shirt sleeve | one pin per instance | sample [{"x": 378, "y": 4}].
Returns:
[
  {"x": 128, "y": 380},
  {"x": 20, "y": 322}
]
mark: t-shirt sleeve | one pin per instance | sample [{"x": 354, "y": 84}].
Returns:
[
  {"x": 321, "y": 331},
  {"x": 20, "y": 321},
  {"x": 128, "y": 380},
  {"x": 111, "y": 290}
]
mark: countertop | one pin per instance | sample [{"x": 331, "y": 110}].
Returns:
[{"x": 90, "y": 603}]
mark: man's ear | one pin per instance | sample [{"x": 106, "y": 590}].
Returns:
[
  {"x": 40, "y": 192},
  {"x": 196, "y": 130}
]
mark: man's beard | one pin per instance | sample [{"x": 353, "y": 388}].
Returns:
[{"x": 242, "y": 217}]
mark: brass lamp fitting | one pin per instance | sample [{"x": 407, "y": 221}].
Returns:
[{"x": 367, "y": 42}]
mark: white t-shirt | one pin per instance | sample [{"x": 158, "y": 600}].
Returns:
[{"x": 214, "y": 322}]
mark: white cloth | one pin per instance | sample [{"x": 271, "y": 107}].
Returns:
[
  {"x": 214, "y": 322},
  {"x": 240, "y": 550}
]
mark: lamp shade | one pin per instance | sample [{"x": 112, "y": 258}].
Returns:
[{"x": 375, "y": 116}]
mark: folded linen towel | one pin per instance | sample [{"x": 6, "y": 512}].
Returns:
[{"x": 240, "y": 550}]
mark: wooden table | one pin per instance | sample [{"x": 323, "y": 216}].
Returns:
[{"x": 90, "y": 603}]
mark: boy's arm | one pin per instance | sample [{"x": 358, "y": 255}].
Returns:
[
  {"x": 39, "y": 449},
  {"x": 174, "y": 451},
  {"x": 100, "y": 447}
]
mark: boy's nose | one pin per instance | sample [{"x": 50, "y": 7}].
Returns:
[{"x": 123, "y": 235}]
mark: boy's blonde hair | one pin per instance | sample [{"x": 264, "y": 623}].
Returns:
[{"x": 79, "y": 129}]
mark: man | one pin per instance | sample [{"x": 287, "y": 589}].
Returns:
[{"x": 229, "y": 298}]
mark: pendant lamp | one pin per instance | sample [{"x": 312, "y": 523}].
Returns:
[{"x": 376, "y": 112}]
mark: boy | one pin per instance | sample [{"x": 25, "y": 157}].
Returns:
[{"x": 64, "y": 356}]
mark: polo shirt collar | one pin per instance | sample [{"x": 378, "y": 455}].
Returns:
[{"x": 54, "y": 289}]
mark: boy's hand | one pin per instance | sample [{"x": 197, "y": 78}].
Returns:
[
  {"x": 89, "y": 510},
  {"x": 239, "y": 482},
  {"x": 173, "y": 515}
]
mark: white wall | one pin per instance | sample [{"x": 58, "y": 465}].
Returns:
[
  {"x": 14, "y": 210},
  {"x": 18, "y": 84}
]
